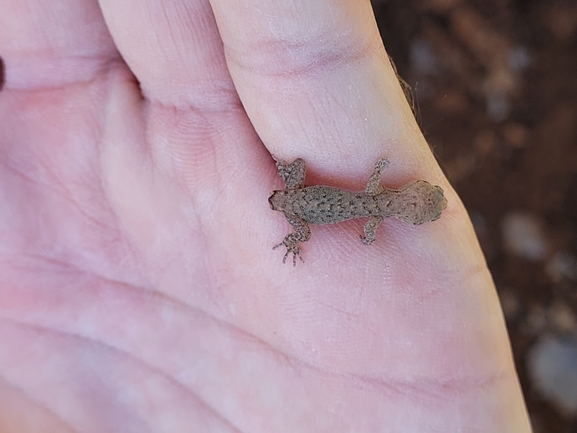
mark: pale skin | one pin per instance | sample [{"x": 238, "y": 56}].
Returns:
[{"x": 138, "y": 289}]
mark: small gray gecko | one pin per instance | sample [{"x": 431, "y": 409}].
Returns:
[{"x": 416, "y": 202}]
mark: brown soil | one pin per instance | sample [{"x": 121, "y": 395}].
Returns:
[{"x": 495, "y": 92}]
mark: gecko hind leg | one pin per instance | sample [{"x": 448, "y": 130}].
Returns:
[
  {"x": 371, "y": 229},
  {"x": 293, "y": 174}
]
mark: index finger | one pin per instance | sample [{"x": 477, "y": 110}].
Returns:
[{"x": 317, "y": 83}]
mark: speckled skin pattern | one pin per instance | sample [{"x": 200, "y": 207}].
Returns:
[{"x": 416, "y": 202}]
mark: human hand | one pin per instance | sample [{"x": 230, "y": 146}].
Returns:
[{"x": 138, "y": 286}]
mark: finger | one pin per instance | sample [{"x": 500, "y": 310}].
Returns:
[
  {"x": 316, "y": 82},
  {"x": 174, "y": 49},
  {"x": 50, "y": 44}
]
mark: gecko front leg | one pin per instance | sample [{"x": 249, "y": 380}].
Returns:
[
  {"x": 373, "y": 186},
  {"x": 372, "y": 189},
  {"x": 291, "y": 241},
  {"x": 293, "y": 174}
]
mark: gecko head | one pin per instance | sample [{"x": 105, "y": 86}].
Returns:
[{"x": 419, "y": 202}]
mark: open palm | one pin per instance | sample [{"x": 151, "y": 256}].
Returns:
[{"x": 138, "y": 286}]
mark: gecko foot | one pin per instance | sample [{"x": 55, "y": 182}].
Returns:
[
  {"x": 294, "y": 249},
  {"x": 371, "y": 229},
  {"x": 367, "y": 241}
]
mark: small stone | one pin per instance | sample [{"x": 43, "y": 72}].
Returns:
[
  {"x": 422, "y": 57},
  {"x": 563, "y": 265},
  {"x": 519, "y": 59},
  {"x": 523, "y": 236},
  {"x": 485, "y": 141},
  {"x": 552, "y": 366},
  {"x": 562, "y": 317},
  {"x": 497, "y": 105},
  {"x": 536, "y": 320},
  {"x": 515, "y": 135},
  {"x": 563, "y": 20},
  {"x": 498, "y": 87}
]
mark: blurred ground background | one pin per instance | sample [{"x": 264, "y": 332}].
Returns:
[{"x": 494, "y": 84}]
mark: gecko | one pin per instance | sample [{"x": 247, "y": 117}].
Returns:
[{"x": 416, "y": 202}]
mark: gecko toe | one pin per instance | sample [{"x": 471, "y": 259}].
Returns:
[
  {"x": 295, "y": 255},
  {"x": 366, "y": 241},
  {"x": 295, "y": 250}
]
